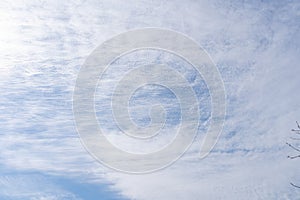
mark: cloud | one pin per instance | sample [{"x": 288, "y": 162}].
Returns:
[{"x": 254, "y": 45}]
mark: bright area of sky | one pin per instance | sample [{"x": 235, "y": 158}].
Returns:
[{"x": 255, "y": 45}]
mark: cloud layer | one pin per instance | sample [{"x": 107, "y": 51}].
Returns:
[{"x": 255, "y": 46}]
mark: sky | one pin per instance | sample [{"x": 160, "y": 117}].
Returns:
[{"x": 255, "y": 47}]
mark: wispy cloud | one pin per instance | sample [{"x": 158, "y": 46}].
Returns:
[{"x": 255, "y": 46}]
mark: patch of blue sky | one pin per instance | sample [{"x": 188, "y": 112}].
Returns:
[{"x": 17, "y": 185}]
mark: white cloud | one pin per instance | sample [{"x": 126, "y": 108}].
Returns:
[{"x": 255, "y": 46}]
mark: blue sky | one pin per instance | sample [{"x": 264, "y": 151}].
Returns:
[
  {"x": 30, "y": 184},
  {"x": 43, "y": 44}
]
